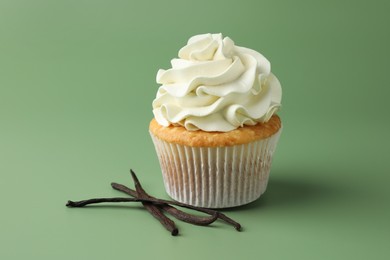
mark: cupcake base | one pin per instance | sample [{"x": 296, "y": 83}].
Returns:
[{"x": 216, "y": 177}]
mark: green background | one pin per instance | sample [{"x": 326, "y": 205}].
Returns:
[{"x": 77, "y": 79}]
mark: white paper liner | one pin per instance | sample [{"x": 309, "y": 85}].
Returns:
[{"x": 216, "y": 177}]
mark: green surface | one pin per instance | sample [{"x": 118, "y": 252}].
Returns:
[{"x": 77, "y": 79}]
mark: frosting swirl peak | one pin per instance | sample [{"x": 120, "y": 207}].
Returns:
[{"x": 215, "y": 85}]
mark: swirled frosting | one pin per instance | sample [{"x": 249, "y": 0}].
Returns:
[{"x": 215, "y": 85}]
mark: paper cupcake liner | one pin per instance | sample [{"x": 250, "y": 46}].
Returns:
[{"x": 216, "y": 177}]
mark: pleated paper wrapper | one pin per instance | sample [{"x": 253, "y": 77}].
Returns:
[{"x": 216, "y": 177}]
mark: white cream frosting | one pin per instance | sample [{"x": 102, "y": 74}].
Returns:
[{"x": 216, "y": 86}]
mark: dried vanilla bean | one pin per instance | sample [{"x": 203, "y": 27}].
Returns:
[{"x": 156, "y": 207}]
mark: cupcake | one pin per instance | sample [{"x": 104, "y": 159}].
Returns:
[{"x": 214, "y": 126}]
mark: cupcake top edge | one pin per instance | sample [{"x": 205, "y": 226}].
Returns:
[
  {"x": 243, "y": 135},
  {"x": 216, "y": 86}
]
